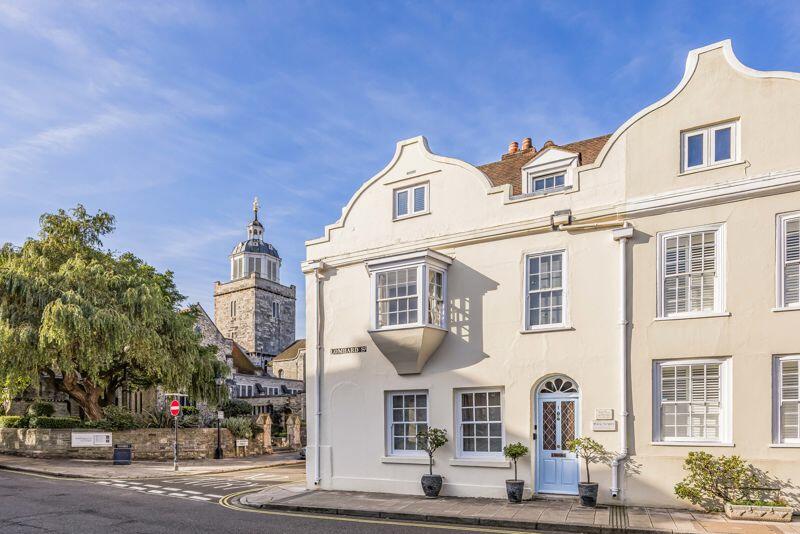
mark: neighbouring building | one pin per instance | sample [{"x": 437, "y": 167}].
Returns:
[
  {"x": 641, "y": 288},
  {"x": 254, "y": 308},
  {"x": 254, "y": 317},
  {"x": 291, "y": 363}
]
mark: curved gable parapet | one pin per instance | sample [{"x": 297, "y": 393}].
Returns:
[
  {"x": 692, "y": 61},
  {"x": 419, "y": 144}
]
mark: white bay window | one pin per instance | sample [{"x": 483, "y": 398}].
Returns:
[
  {"x": 691, "y": 401},
  {"x": 691, "y": 272}
]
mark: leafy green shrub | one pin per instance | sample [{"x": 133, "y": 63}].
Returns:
[
  {"x": 714, "y": 480},
  {"x": 240, "y": 427},
  {"x": 236, "y": 408},
  {"x": 40, "y": 408},
  {"x": 115, "y": 418},
  {"x": 514, "y": 452},
  {"x": 431, "y": 439},
  {"x": 13, "y": 421},
  {"x": 591, "y": 451},
  {"x": 55, "y": 422}
]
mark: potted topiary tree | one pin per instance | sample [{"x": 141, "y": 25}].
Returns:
[
  {"x": 430, "y": 440},
  {"x": 514, "y": 488},
  {"x": 592, "y": 453}
]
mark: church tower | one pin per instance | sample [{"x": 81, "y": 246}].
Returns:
[{"x": 254, "y": 308}]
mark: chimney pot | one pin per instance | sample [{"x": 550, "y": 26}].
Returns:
[
  {"x": 527, "y": 143},
  {"x": 548, "y": 143},
  {"x": 513, "y": 147}
]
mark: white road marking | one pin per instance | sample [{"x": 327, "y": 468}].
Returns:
[
  {"x": 172, "y": 489},
  {"x": 192, "y": 492},
  {"x": 214, "y": 496},
  {"x": 151, "y": 486},
  {"x": 104, "y": 482},
  {"x": 200, "y": 498},
  {"x": 120, "y": 485},
  {"x": 178, "y": 494},
  {"x": 155, "y": 491}
]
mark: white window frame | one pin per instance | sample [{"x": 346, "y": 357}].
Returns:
[
  {"x": 526, "y": 292},
  {"x": 410, "y": 201},
  {"x": 780, "y": 247},
  {"x": 389, "y": 422},
  {"x": 460, "y": 453},
  {"x": 533, "y": 178},
  {"x": 777, "y": 396},
  {"x": 726, "y": 400},
  {"x": 719, "y": 268},
  {"x": 709, "y": 146},
  {"x": 421, "y": 263}
]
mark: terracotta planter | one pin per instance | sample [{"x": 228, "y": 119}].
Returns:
[
  {"x": 777, "y": 514},
  {"x": 588, "y": 493},
  {"x": 431, "y": 485},
  {"x": 514, "y": 489}
]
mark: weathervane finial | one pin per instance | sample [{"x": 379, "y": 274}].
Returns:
[{"x": 255, "y": 208}]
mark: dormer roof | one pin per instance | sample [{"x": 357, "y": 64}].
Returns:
[{"x": 509, "y": 169}]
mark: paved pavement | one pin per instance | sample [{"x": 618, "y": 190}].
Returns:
[
  {"x": 551, "y": 514},
  {"x": 102, "y": 469},
  {"x": 40, "y": 503}
]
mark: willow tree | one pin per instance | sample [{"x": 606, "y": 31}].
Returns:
[{"x": 93, "y": 319}]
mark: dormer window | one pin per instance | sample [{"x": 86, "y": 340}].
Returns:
[
  {"x": 709, "y": 146},
  {"x": 544, "y": 184},
  {"x": 553, "y": 170},
  {"x": 410, "y": 201}
]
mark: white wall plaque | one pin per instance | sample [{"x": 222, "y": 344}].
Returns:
[
  {"x": 604, "y": 414},
  {"x": 241, "y": 442},
  {"x": 91, "y": 439},
  {"x": 604, "y": 426}
]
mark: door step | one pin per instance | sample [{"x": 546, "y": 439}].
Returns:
[{"x": 555, "y": 497}]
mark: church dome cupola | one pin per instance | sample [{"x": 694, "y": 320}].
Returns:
[{"x": 255, "y": 256}]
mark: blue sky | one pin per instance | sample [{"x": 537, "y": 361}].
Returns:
[{"x": 173, "y": 115}]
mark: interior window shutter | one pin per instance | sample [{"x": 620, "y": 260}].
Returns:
[
  {"x": 419, "y": 199},
  {"x": 791, "y": 276},
  {"x": 790, "y": 400}
]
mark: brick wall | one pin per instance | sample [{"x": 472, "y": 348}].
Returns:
[{"x": 148, "y": 443}]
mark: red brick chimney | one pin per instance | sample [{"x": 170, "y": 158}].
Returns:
[{"x": 513, "y": 147}]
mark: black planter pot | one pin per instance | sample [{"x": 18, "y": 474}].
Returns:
[
  {"x": 588, "y": 493},
  {"x": 514, "y": 489},
  {"x": 431, "y": 485}
]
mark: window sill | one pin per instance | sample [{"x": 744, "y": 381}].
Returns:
[
  {"x": 555, "y": 328},
  {"x": 416, "y": 460},
  {"x": 479, "y": 462},
  {"x": 541, "y": 194},
  {"x": 411, "y": 216},
  {"x": 693, "y": 316},
  {"x": 786, "y": 308},
  {"x": 784, "y": 445},
  {"x": 690, "y": 444},
  {"x": 711, "y": 167}
]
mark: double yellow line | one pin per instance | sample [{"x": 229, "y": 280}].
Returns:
[{"x": 226, "y": 502}]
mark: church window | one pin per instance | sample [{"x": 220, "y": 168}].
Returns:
[
  {"x": 276, "y": 311},
  {"x": 233, "y": 308}
]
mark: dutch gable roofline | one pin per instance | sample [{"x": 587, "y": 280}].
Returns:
[{"x": 692, "y": 59}]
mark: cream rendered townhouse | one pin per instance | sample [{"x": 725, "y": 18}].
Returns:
[{"x": 640, "y": 288}]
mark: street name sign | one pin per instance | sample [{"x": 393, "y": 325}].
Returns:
[{"x": 349, "y": 350}]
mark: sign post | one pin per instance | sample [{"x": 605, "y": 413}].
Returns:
[{"x": 175, "y": 411}]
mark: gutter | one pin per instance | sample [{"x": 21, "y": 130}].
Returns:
[{"x": 621, "y": 236}]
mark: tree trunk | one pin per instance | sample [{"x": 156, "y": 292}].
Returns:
[{"x": 86, "y": 394}]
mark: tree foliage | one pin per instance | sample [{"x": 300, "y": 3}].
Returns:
[
  {"x": 515, "y": 451},
  {"x": 430, "y": 440},
  {"x": 93, "y": 319},
  {"x": 591, "y": 451},
  {"x": 711, "y": 481}
]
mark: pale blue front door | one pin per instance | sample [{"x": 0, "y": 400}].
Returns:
[{"x": 557, "y": 469}]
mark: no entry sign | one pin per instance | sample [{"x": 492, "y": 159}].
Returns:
[{"x": 174, "y": 408}]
